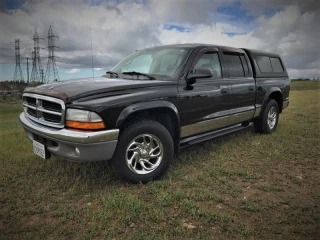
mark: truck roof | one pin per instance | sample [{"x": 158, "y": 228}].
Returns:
[
  {"x": 259, "y": 52},
  {"x": 191, "y": 45},
  {"x": 194, "y": 45}
]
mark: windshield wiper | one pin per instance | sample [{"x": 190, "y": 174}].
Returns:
[
  {"x": 139, "y": 74},
  {"x": 113, "y": 73}
]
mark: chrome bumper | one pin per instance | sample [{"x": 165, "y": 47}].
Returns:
[{"x": 73, "y": 145}]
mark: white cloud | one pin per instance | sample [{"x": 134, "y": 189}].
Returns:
[
  {"x": 304, "y": 73},
  {"x": 120, "y": 27},
  {"x": 260, "y": 6},
  {"x": 74, "y": 71},
  {"x": 98, "y": 69},
  {"x": 289, "y": 32}
]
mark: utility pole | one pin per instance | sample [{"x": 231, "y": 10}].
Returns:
[
  {"x": 52, "y": 70},
  {"x": 27, "y": 70},
  {"x": 41, "y": 73}
]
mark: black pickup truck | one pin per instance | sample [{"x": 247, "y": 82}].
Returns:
[{"x": 154, "y": 102}]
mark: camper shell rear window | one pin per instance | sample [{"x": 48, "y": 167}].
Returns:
[{"x": 268, "y": 64}]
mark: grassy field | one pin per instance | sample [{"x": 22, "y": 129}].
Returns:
[
  {"x": 300, "y": 85},
  {"x": 244, "y": 185}
]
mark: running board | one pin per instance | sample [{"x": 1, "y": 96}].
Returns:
[{"x": 184, "y": 142}]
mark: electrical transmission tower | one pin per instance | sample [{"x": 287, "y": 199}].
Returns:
[
  {"x": 52, "y": 71},
  {"x": 18, "y": 76},
  {"x": 36, "y": 60},
  {"x": 35, "y": 75}
]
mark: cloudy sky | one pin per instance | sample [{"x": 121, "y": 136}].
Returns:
[{"x": 288, "y": 27}]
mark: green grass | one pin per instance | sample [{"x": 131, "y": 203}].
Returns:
[
  {"x": 301, "y": 85},
  {"x": 243, "y": 185}
]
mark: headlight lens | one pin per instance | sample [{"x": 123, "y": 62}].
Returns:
[{"x": 82, "y": 119}]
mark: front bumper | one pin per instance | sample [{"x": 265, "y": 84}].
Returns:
[{"x": 73, "y": 145}]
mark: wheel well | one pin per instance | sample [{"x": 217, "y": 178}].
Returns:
[
  {"x": 163, "y": 115},
  {"x": 278, "y": 97}
]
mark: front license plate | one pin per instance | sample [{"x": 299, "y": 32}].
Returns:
[{"x": 39, "y": 149}]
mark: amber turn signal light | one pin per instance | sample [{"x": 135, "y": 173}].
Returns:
[{"x": 85, "y": 125}]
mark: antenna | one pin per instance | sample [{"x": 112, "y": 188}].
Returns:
[{"x": 91, "y": 54}]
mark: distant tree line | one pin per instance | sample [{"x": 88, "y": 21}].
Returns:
[
  {"x": 14, "y": 88},
  {"x": 304, "y": 79}
]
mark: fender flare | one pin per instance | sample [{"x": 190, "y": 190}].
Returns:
[
  {"x": 145, "y": 106},
  {"x": 267, "y": 95}
]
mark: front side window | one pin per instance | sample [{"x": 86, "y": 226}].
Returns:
[
  {"x": 210, "y": 60},
  {"x": 162, "y": 62}
]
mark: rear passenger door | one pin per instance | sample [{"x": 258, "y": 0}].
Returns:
[{"x": 242, "y": 86}]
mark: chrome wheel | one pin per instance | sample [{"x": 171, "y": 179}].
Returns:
[
  {"x": 144, "y": 154},
  {"x": 272, "y": 117}
]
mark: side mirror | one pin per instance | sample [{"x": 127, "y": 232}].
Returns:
[{"x": 201, "y": 72}]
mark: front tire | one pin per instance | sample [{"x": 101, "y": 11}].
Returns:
[
  {"x": 268, "y": 121},
  {"x": 144, "y": 152}
]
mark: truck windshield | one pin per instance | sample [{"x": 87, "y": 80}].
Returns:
[{"x": 158, "y": 63}]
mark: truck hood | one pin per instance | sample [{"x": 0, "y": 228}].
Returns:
[{"x": 79, "y": 88}]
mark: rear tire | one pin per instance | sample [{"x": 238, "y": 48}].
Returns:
[
  {"x": 268, "y": 120},
  {"x": 144, "y": 152}
]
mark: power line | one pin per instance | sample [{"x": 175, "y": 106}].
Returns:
[{"x": 8, "y": 33}]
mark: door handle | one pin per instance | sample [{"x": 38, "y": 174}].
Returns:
[
  {"x": 251, "y": 88},
  {"x": 224, "y": 90}
]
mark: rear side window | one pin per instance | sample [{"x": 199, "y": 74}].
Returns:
[
  {"x": 269, "y": 64},
  {"x": 237, "y": 64},
  {"x": 234, "y": 64},
  {"x": 264, "y": 63},
  {"x": 276, "y": 64}
]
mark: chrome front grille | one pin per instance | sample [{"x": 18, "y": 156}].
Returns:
[{"x": 48, "y": 111}]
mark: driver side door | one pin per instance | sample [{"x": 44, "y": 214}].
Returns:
[{"x": 204, "y": 105}]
